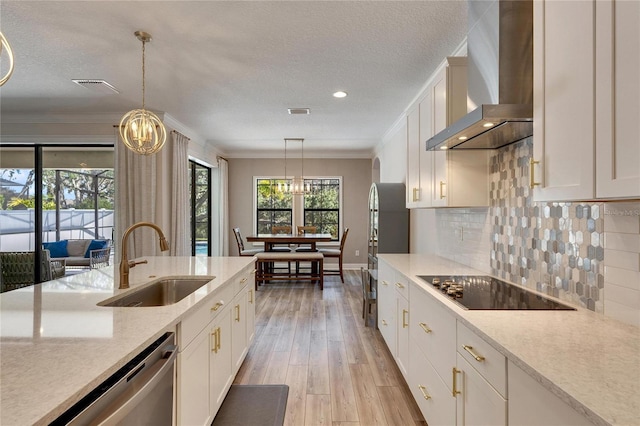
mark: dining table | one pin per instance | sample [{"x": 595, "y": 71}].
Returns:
[{"x": 270, "y": 240}]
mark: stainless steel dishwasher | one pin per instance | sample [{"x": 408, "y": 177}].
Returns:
[{"x": 140, "y": 393}]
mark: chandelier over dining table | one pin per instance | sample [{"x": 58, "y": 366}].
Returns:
[{"x": 297, "y": 186}]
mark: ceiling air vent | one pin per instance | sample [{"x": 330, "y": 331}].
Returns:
[
  {"x": 98, "y": 86},
  {"x": 304, "y": 111}
]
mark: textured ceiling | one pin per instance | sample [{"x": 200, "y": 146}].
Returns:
[{"x": 228, "y": 70}]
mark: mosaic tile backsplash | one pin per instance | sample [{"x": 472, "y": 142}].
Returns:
[{"x": 554, "y": 248}]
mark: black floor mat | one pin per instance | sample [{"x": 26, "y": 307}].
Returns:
[{"x": 256, "y": 405}]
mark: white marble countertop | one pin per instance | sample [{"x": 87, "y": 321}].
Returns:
[
  {"x": 56, "y": 345},
  {"x": 588, "y": 360}
]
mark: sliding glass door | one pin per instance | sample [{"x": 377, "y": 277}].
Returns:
[{"x": 200, "y": 187}]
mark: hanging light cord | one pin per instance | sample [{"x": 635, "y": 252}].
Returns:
[{"x": 143, "y": 43}]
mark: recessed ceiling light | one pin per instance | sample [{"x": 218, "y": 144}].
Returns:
[
  {"x": 340, "y": 94},
  {"x": 304, "y": 111},
  {"x": 444, "y": 147},
  {"x": 487, "y": 125},
  {"x": 462, "y": 138}
]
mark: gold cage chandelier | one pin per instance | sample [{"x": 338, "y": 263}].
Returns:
[
  {"x": 142, "y": 131},
  {"x": 4, "y": 45},
  {"x": 297, "y": 185}
]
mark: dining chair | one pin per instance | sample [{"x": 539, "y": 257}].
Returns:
[
  {"x": 336, "y": 253},
  {"x": 306, "y": 230},
  {"x": 368, "y": 297},
  {"x": 281, "y": 229},
  {"x": 240, "y": 242}
]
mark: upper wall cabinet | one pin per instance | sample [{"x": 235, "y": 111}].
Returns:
[
  {"x": 428, "y": 172},
  {"x": 586, "y": 100}
]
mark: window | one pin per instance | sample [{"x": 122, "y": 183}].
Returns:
[
  {"x": 320, "y": 208},
  {"x": 200, "y": 188},
  {"x": 274, "y": 206}
]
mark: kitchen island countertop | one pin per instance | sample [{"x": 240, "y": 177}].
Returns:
[
  {"x": 56, "y": 344},
  {"x": 590, "y": 361}
]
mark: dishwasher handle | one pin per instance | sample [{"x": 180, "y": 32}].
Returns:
[{"x": 132, "y": 397}]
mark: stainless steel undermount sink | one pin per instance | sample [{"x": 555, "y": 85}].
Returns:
[{"x": 165, "y": 291}]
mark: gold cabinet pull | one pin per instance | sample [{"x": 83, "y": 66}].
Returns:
[
  {"x": 384, "y": 282},
  {"x": 416, "y": 194},
  {"x": 473, "y": 353},
  {"x": 532, "y": 181},
  {"x": 218, "y": 305},
  {"x": 405, "y": 323},
  {"x": 399, "y": 285},
  {"x": 425, "y": 327},
  {"x": 442, "y": 195},
  {"x": 454, "y": 387},
  {"x": 384, "y": 322},
  {"x": 251, "y": 296},
  {"x": 237, "y": 313},
  {"x": 218, "y": 333},
  {"x": 214, "y": 343},
  {"x": 244, "y": 280},
  {"x": 425, "y": 395}
]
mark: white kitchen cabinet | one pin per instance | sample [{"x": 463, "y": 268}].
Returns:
[
  {"x": 478, "y": 403},
  {"x": 617, "y": 68},
  {"x": 387, "y": 306},
  {"x": 402, "y": 324},
  {"x": 531, "y": 404},
  {"x": 220, "y": 367},
  {"x": 586, "y": 100},
  {"x": 481, "y": 380},
  {"x": 434, "y": 398},
  {"x": 461, "y": 178},
  {"x": 213, "y": 342},
  {"x": 443, "y": 102},
  {"x": 415, "y": 191},
  {"x": 251, "y": 310}
]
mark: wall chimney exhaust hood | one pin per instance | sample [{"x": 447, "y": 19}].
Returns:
[{"x": 500, "y": 74}]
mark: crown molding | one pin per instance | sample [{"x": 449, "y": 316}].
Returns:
[{"x": 17, "y": 118}]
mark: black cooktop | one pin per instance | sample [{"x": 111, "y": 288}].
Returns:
[{"x": 482, "y": 292}]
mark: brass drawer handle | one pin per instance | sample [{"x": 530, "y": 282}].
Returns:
[
  {"x": 425, "y": 327},
  {"x": 384, "y": 282},
  {"x": 399, "y": 285},
  {"x": 217, "y": 305},
  {"x": 532, "y": 181},
  {"x": 237, "y": 313},
  {"x": 218, "y": 339},
  {"x": 384, "y": 322},
  {"x": 405, "y": 323},
  {"x": 244, "y": 280},
  {"x": 425, "y": 395},
  {"x": 454, "y": 386},
  {"x": 416, "y": 194},
  {"x": 251, "y": 296},
  {"x": 442, "y": 183},
  {"x": 214, "y": 343},
  {"x": 473, "y": 353}
]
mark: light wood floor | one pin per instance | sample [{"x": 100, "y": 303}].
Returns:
[{"x": 339, "y": 372}]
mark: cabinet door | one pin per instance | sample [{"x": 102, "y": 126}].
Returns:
[
  {"x": 402, "y": 319},
  {"x": 251, "y": 311},
  {"x": 413, "y": 158},
  {"x": 387, "y": 306},
  {"x": 220, "y": 358},
  {"x": 530, "y": 404},
  {"x": 564, "y": 105},
  {"x": 426, "y": 157},
  {"x": 618, "y": 95},
  {"x": 437, "y": 404},
  {"x": 440, "y": 169},
  {"x": 478, "y": 403},
  {"x": 193, "y": 381},
  {"x": 238, "y": 330}
]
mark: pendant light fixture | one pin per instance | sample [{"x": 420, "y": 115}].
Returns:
[
  {"x": 141, "y": 130},
  {"x": 4, "y": 45},
  {"x": 297, "y": 186}
]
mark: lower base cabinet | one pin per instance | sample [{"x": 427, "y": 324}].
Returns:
[
  {"x": 437, "y": 404},
  {"x": 208, "y": 362},
  {"x": 478, "y": 403}
]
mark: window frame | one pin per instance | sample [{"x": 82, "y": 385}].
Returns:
[
  {"x": 193, "y": 166},
  {"x": 297, "y": 215}
]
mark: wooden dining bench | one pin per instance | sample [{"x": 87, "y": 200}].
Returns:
[{"x": 266, "y": 272}]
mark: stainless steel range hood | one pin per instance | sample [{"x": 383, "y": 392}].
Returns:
[{"x": 500, "y": 78}]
